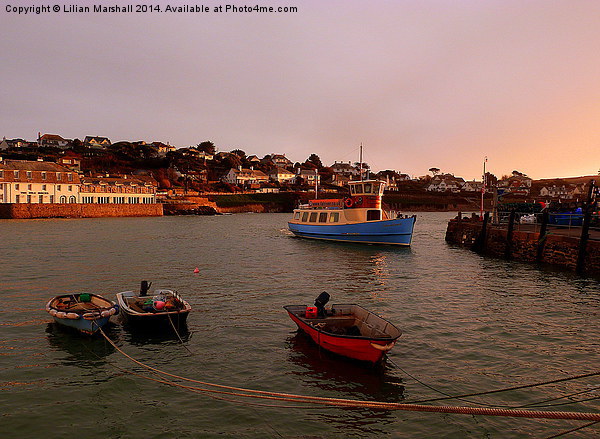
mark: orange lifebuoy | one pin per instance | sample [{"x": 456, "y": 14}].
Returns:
[{"x": 348, "y": 202}]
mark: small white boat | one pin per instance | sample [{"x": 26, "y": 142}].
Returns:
[{"x": 84, "y": 312}]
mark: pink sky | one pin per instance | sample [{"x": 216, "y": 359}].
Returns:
[{"x": 420, "y": 83}]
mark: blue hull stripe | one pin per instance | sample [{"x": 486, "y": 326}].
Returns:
[{"x": 397, "y": 231}]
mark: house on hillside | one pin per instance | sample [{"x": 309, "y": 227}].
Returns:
[
  {"x": 472, "y": 186},
  {"x": 309, "y": 176},
  {"x": 563, "y": 192},
  {"x": 518, "y": 184},
  {"x": 52, "y": 140},
  {"x": 345, "y": 169},
  {"x": 282, "y": 175},
  {"x": 96, "y": 142},
  {"x": 244, "y": 177},
  {"x": 281, "y": 160},
  {"x": 162, "y": 149},
  {"x": 70, "y": 161},
  {"x": 445, "y": 182}
]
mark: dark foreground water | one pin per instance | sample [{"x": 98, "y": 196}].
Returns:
[{"x": 470, "y": 324}]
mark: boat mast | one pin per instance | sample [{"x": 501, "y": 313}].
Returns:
[
  {"x": 360, "y": 163},
  {"x": 316, "y": 184},
  {"x": 482, "y": 189}
]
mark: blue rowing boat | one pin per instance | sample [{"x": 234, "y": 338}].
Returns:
[{"x": 356, "y": 218}]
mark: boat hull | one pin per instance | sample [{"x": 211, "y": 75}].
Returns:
[
  {"x": 89, "y": 327},
  {"x": 132, "y": 317},
  {"x": 360, "y": 348},
  {"x": 86, "y": 316},
  {"x": 394, "y": 232}
]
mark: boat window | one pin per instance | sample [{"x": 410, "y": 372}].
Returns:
[
  {"x": 296, "y": 215},
  {"x": 368, "y": 188},
  {"x": 323, "y": 217},
  {"x": 373, "y": 215},
  {"x": 334, "y": 217},
  {"x": 359, "y": 188},
  {"x": 352, "y": 189},
  {"x": 313, "y": 217},
  {"x": 304, "y": 217}
]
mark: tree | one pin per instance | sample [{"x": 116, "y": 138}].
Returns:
[
  {"x": 241, "y": 154},
  {"x": 434, "y": 171},
  {"x": 208, "y": 147},
  {"x": 315, "y": 160}
]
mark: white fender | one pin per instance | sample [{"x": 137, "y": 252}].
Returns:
[
  {"x": 61, "y": 315},
  {"x": 52, "y": 312},
  {"x": 72, "y": 315}
]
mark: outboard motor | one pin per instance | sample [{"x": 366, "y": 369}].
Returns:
[
  {"x": 144, "y": 288},
  {"x": 320, "y": 303}
]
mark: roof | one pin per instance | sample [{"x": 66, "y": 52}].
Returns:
[
  {"x": 115, "y": 181},
  {"x": 54, "y": 137},
  {"x": 24, "y": 165}
]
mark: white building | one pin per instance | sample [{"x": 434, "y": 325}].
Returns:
[{"x": 24, "y": 181}]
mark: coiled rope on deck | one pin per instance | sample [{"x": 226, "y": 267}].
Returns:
[{"x": 339, "y": 402}]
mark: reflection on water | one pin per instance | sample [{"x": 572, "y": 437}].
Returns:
[
  {"x": 83, "y": 350},
  {"x": 325, "y": 370},
  {"x": 147, "y": 334}
]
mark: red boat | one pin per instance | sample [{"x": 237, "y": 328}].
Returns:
[{"x": 347, "y": 330}]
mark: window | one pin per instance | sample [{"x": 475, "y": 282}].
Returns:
[
  {"x": 359, "y": 188},
  {"x": 17, "y": 186},
  {"x": 71, "y": 199},
  {"x": 304, "y": 217},
  {"x": 29, "y": 198},
  {"x": 352, "y": 189},
  {"x": 41, "y": 199},
  {"x": 70, "y": 177},
  {"x": 373, "y": 215},
  {"x": 313, "y": 217},
  {"x": 29, "y": 174},
  {"x": 58, "y": 176},
  {"x": 16, "y": 174},
  {"x": 51, "y": 198},
  {"x": 58, "y": 187},
  {"x": 43, "y": 175},
  {"x": 63, "y": 199},
  {"x": 43, "y": 187},
  {"x": 28, "y": 187},
  {"x": 323, "y": 217},
  {"x": 334, "y": 217},
  {"x": 70, "y": 188},
  {"x": 296, "y": 215},
  {"x": 17, "y": 198},
  {"x": 368, "y": 188},
  {"x": 1, "y": 174}
]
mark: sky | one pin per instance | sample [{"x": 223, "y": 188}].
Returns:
[{"x": 419, "y": 83}]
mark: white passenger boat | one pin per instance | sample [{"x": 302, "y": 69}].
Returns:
[{"x": 356, "y": 218}]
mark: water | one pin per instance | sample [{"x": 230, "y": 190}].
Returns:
[{"x": 469, "y": 324}]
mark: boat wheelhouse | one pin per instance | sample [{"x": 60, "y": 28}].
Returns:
[{"x": 356, "y": 218}]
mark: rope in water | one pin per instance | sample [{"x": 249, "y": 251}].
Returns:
[{"x": 250, "y": 393}]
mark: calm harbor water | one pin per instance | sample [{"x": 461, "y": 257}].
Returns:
[{"x": 469, "y": 324}]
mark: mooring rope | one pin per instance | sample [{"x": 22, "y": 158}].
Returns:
[
  {"x": 533, "y": 404},
  {"x": 339, "y": 402}
]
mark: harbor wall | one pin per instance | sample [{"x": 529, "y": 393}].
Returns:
[
  {"x": 77, "y": 210},
  {"x": 523, "y": 246}
]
